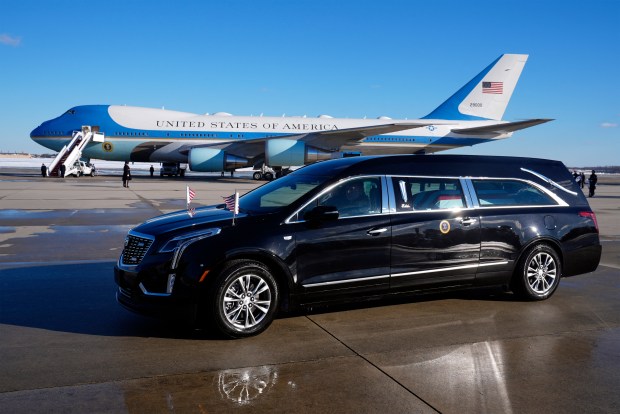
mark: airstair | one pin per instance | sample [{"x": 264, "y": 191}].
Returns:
[{"x": 72, "y": 152}]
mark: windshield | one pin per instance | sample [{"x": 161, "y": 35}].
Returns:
[{"x": 280, "y": 193}]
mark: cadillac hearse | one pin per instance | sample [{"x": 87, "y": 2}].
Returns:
[{"x": 360, "y": 228}]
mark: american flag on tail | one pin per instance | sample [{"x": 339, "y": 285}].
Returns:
[{"x": 493, "y": 87}]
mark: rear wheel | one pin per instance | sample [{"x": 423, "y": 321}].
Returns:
[
  {"x": 257, "y": 175},
  {"x": 538, "y": 273},
  {"x": 246, "y": 299}
]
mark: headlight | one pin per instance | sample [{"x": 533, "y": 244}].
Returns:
[{"x": 188, "y": 238}]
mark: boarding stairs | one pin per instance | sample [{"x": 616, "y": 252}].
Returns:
[{"x": 72, "y": 152}]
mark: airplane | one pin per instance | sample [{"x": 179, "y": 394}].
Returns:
[{"x": 222, "y": 142}]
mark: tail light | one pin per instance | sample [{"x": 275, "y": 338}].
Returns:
[{"x": 591, "y": 215}]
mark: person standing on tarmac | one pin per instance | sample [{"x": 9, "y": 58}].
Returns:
[
  {"x": 126, "y": 174},
  {"x": 152, "y": 170},
  {"x": 62, "y": 170},
  {"x": 592, "y": 183},
  {"x": 43, "y": 170}
]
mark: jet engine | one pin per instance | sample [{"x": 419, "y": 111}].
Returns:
[
  {"x": 287, "y": 152},
  {"x": 214, "y": 160}
]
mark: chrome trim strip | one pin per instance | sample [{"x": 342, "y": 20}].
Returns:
[
  {"x": 335, "y": 282},
  {"x": 549, "y": 180},
  {"x": 445, "y": 269},
  {"x": 470, "y": 193},
  {"x": 391, "y": 194},
  {"x": 385, "y": 202},
  {"x": 147, "y": 293},
  {"x": 138, "y": 234}
]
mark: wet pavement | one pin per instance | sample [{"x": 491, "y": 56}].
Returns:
[{"x": 67, "y": 346}]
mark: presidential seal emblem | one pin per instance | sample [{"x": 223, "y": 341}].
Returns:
[{"x": 444, "y": 226}]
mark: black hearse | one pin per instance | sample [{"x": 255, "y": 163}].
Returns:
[{"x": 363, "y": 227}]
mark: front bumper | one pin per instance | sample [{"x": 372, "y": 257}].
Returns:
[{"x": 131, "y": 294}]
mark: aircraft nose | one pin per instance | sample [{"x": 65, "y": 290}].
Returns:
[{"x": 36, "y": 132}]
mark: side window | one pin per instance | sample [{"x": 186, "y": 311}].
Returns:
[
  {"x": 510, "y": 193},
  {"x": 356, "y": 197},
  {"x": 416, "y": 193}
]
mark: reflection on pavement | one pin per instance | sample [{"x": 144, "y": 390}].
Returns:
[{"x": 246, "y": 384}]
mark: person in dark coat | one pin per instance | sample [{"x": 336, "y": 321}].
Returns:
[
  {"x": 43, "y": 170},
  {"x": 583, "y": 179},
  {"x": 126, "y": 174},
  {"x": 62, "y": 170},
  {"x": 592, "y": 183},
  {"x": 152, "y": 170}
]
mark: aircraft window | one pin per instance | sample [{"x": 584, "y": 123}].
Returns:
[{"x": 416, "y": 193}]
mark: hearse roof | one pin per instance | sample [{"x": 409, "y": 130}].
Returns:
[{"x": 445, "y": 165}]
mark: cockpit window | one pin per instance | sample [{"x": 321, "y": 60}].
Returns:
[{"x": 70, "y": 112}]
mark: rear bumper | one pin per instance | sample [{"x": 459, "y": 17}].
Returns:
[{"x": 583, "y": 260}]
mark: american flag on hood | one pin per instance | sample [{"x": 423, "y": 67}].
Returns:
[
  {"x": 232, "y": 203},
  {"x": 191, "y": 194}
]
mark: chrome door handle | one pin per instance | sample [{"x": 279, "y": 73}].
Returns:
[
  {"x": 468, "y": 221},
  {"x": 376, "y": 232}
]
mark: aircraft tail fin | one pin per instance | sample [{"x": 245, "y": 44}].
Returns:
[{"x": 486, "y": 96}]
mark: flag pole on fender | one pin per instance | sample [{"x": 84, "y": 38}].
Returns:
[
  {"x": 189, "y": 196},
  {"x": 232, "y": 204}
]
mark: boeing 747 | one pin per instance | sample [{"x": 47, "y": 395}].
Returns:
[{"x": 223, "y": 142}]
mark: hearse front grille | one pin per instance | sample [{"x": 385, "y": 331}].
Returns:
[{"x": 135, "y": 250}]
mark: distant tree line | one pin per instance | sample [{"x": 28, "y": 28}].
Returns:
[{"x": 614, "y": 169}]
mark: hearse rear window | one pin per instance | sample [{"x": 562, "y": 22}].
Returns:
[
  {"x": 509, "y": 193},
  {"x": 418, "y": 193}
]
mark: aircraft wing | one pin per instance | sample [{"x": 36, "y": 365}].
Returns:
[
  {"x": 334, "y": 139},
  {"x": 328, "y": 140},
  {"x": 503, "y": 128}
]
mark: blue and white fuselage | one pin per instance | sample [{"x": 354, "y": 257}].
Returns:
[{"x": 217, "y": 142}]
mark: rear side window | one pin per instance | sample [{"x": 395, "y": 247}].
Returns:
[
  {"x": 510, "y": 193},
  {"x": 417, "y": 193}
]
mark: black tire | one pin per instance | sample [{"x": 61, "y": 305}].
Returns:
[
  {"x": 245, "y": 299},
  {"x": 268, "y": 176},
  {"x": 257, "y": 175},
  {"x": 538, "y": 273}
]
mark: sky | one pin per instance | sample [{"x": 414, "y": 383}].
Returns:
[{"x": 344, "y": 58}]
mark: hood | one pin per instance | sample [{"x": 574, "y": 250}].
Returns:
[{"x": 204, "y": 217}]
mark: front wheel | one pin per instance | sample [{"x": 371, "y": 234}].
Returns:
[
  {"x": 538, "y": 273},
  {"x": 246, "y": 299}
]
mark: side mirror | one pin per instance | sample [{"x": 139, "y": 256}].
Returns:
[{"x": 322, "y": 213}]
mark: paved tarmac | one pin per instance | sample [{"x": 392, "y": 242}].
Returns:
[{"x": 67, "y": 346}]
